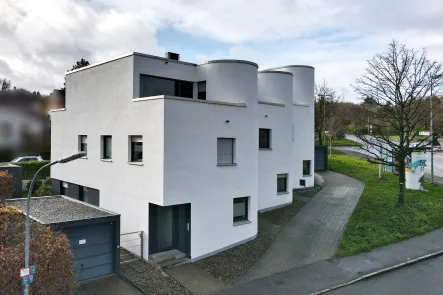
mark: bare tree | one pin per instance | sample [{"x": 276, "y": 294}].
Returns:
[
  {"x": 334, "y": 121},
  {"x": 324, "y": 96},
  {"x": 5, "y": 84},
  {"x": 398, "y": 83}
]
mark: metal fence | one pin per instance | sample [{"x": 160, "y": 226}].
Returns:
[{"x": 131, "y": 246}]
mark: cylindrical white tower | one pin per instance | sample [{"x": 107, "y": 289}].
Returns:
[
  {"x": 303, "y": 122},
  {"x": 274, "y": 115},
  {"x": 229, "y": 80},
  {"x": 275, "y": 86}
]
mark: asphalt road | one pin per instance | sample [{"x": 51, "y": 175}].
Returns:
[
  {"x": 438, "y": 158},
  {"x": 425, "y": 277}
]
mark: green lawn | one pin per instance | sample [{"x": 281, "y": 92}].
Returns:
[
  {"x": 342, "y": 142},
  {"x": 376, "y": 220}
]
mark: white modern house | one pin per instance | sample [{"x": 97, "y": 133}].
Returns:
[{"x": 186, "y": 153}]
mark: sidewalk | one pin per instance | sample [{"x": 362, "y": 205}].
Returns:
[
  {"x": 313, "y": 234},
  {"x": 324, "y": 274}
]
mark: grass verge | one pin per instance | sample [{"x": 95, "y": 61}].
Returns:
[
  {"x": 341, "y": 142},
  {"x": 376, "y": 220}
]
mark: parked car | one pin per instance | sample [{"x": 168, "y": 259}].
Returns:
[{"x": 27, "y": 159}]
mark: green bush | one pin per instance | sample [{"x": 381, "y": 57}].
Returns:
[
  {"x": 43, "y": 190},
  {"x": 30, "y": 168},
  {"x": 37, "y": 184}
]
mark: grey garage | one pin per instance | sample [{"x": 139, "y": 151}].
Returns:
[{"x": 94, "y": 233}]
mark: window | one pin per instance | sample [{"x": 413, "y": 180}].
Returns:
[
  {"x": 264, "y": 138},
  {"x": 136, "y": 148},
  {"x": 83, "y": 143},
  {"x": 106, "y": 147},
  {"x": 225, "y": 151},
  {"x": 64, "y": 189},
  {"x": 240, "y": 209},
  {"x": 282, "y": 183},
  {"x": 84, "y": 197},
  {"x": 306, "y": 167},
  {"x": 152, "y": 86},
  {"x": 201, "y": 89}
]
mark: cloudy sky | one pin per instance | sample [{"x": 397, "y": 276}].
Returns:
[{"x": 40, "y": 40}]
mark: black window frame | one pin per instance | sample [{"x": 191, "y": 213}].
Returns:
[
  {"x": 179, "y": 87},
  {"x": 267, "y": 132},
  {"x": 104, "y": 145},
  {"x": 201, "y": 94},
  {"x": 83, "y": 147},
  {"x": 308, "y": 167},
  {"x": 132, "y": 145},
  {"x": 245, "y": 217},
  {"x": 285, "y": 177},
  {"x": 64, "y": 190}
]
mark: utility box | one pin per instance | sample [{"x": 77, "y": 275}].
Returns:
[{"x": 16, "y": 172}]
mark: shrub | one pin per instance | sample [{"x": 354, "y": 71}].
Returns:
[
  {"x": 37, "y": 184},
  {"x": 30, "y": 168},
  {"x": 6, "y": 186},
  {"x": 43, "y": 190},
  {"x": 49, "y": 251}
]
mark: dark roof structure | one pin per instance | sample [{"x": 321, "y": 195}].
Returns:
[{"x": 59, "y": 209}]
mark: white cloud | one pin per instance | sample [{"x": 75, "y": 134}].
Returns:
[{"x": 40, "y": 40}]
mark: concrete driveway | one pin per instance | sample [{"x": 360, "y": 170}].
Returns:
[
  {"x": 313, "y": 234},
  {"x": 109, "y": 285}
]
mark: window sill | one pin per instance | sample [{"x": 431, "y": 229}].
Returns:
[
  {"x": 241, "y": 222},
  {"x": 227, "y": 164},
  {"x": 307, "y": 175},
  {"x": 282, "y": 193},
  {"x": 136, "y": 163},
  {"x": 265, "y": 149},
  {"x": 106, "y": 160},
  {"x": 84, "y": 158}
]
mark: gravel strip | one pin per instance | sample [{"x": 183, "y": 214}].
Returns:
[
  {"x": 230, "y": 265},
  {"x": 151, "y": 280},
  {"x": 282, "y": 216}
]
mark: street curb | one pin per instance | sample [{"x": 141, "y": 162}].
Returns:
[{"x": 381, "y": 271}]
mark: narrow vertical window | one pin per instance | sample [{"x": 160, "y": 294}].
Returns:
[
  {"x": 106, "y": 147},
  {"x": 201, "y": 88},
  {"x": 240, "y": 209},
  {"x": 264, "y": 138},
  {"x": 306, "y": 168},
  {"x": 83, "y": 143},
  {"x": 136, "y": 145},
  {"x": 282, "y": 183}
]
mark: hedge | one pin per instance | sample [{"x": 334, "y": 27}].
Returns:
[
  {"x": 50, "y": 253},
  {"x": 30, "y": 168}
]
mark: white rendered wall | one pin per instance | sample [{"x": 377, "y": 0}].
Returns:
[
  {"x": 303, "y": 120},
  {"x": 99, "y": 102},
  {"x": 276, "y": 88},
  {"x": 191, "y": 171}
]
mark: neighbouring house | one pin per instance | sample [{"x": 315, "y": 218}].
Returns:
[
  {"x": 187, "y": 153},
  {"x": 24, "y": 125}
]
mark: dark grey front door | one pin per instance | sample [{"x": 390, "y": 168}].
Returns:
[
  {"x": 170, "y": 228},
  {"x": 93, "y": 248}
]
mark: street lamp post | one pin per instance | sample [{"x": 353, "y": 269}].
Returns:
[
  {"x": 28, "y": 205},
  {"x": 432, "y": 126}
]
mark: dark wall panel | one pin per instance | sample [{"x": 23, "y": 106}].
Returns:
[
  {"x": 94, "y": 196},
  {"x": 55, "y": 186}
]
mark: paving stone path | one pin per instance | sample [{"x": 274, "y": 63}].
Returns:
[{"x": 313, "y": 234}]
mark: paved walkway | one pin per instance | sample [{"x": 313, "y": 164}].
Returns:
[
  {"x": 196, "y": 280},
  {"x": 325, "y": 274},
  {"x": 109, "y": 285},
  {"x": 313, "y": 234}
]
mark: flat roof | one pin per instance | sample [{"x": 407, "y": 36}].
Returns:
[{"x": 58, "y": 209}]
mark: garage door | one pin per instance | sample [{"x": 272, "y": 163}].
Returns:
[{"x": 93, "y": 248}]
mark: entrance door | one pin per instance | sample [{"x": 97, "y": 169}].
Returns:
[{"x": 170, "y": 228}]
